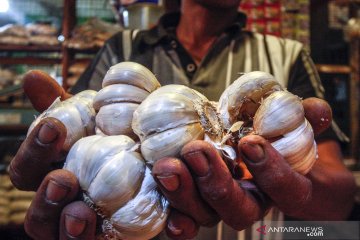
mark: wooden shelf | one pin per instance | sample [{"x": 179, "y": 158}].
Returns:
[
  {"x": 29, "y": 48},
  {"x": 83, "y": 50},
  {"x": 30, "y": 60},
  {"x": 333, "y": 69}
]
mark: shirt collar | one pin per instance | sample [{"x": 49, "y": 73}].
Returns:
[{"x": 165, "y": 29}]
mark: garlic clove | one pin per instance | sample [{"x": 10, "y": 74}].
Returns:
[
  {"x": 297, "y": 147},
  {"x": 131, "y": 73},
  {"x": 93, "y": 154},
  {"x": 86, "y": 94},
  {"x": 87, "y": 112},
  {"x": 145, "y": 215},
  {"x": 170, "y": 142},
  {"x": 78, "y": 154},
  {"x": 162, "y": 111},
  {"x": 115, "y": 119},
  {"x": 117, "y": 181},
  {"x": 69, "y": 116},
  {"x": 279, "y": 113},
  {"x": 119, "y": 93},
  {"x": 76, "y": 113},
  {"x": 242, "y": 98},
  {"x": 128, "y": 83},
  {"x": 182, "y": 90},
  {"x": 304, "y": 166}
]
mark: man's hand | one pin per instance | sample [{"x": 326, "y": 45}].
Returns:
[
  {"x": 33, "y": 168},
  {"x": 55, "y": 212},
  {"x": 200, "y": 185}
]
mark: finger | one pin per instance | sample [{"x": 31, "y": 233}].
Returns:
[
  {"x": 289, "y": 190},
  {"x": 38, "y": 154},
  {"x": 59, "y": 188},
  {"x": 236, "y": 206},
  {"x": 78, "y": 221},
  {"x": 175, "y": 181},
  {"x": 318, "y": 113},
  {"x": 180, "y": 226},
  {"x": 42, "y": 90}
]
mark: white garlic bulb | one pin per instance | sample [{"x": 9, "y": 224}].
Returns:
[
  {"x": 241, "y": 99},
  {"x": 170, "y": 117},
  {"x": 117, "y": 184},
  {"x": 108, "y": 169},
  {"x": 144, "y": 216},
  {"x": 76, "y": 113},
  {"x": 257, "y": 98},
  {"x": 125, "y": 86}
]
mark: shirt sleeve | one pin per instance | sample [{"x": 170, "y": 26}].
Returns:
[
  {"x": 305, "y": 82},
  {"x": 108, "y": 55}
]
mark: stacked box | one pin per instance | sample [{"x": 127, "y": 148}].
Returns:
[{"x": 264, "y": 16}]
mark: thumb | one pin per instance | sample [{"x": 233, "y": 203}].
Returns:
[
  {"x": 318, "y": 113},
  {"x": 42, "y": 90}
]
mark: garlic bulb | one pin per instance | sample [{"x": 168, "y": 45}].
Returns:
[
  {"x": 76, "y": 113},
  {"x": 144, "y": 216},
  {"x": 125, "y": 86},
  {"x": 242, "y": 98},
  {"x": 170, "y": 117},
  {"x": 108, "y": 169},
  {"x": 118, "y": 186},
  {"x": 282, "y": 115},
  {"x": 258, "y": 99}
]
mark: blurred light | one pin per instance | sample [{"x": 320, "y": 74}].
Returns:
[
  {"x": 61, "y": 38},
  {"x": 125, "y": 15},
  {"x": 4, "y": 6}
]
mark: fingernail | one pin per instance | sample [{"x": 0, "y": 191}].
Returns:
[
  {"x": 170, "y": 183},
  {"x": 253, "y": 152},
  {"x": 74, "y": 226},
  {"x": 174, "y": 230},
  {"x": 47, "y": 133},
  {"x": 56, "y": 192},
  {"x": 199, "y": 163}
]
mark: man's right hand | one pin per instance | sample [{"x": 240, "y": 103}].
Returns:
[{"x": 34, "y": 169}]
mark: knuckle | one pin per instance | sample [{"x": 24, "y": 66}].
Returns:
[
  {"x": 216, "y": 192},
  {"x": 219, "y": 194}
]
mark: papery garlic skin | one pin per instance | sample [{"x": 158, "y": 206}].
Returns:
[
  {"x": 279, "y": 113},
  {"x": 108, "y": 169},
  {"x": 145, "y": 215},
  {"x": 125, "y": 86},
  {"x": 170, "y": 117},
  {"x": 241, "y": 99},
  {"x": 298, "y": 148},
  {"x": 76, "y": 113},
  {"x": 133, "y": 74}
]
